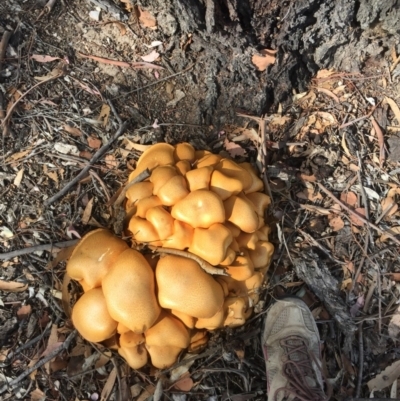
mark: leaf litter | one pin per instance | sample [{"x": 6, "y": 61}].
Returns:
[{"x": 331, "y": 134}]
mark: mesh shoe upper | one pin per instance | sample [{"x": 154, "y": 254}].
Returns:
[{"x": 291, "y": 347}]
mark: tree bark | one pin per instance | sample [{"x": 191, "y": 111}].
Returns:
[{"x": 308, "y": 34}]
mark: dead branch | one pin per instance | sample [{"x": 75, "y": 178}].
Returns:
[
  {"x": 44, "y": 247},
  {"x": 3, "y": 45},
  {"x": 358, "y": 216},
  {"x": 360, "y": 359},
  {"x": 203, "y": 264},
  {"x": 63, "y": 347},
  {"x": 85, "y": 170}
]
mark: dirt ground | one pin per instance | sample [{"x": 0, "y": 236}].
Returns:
[{"x": 72, "y": 73}]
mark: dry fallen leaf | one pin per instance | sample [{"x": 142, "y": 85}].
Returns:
[
  {"x": 385, "y": 378},
  {"x": 394, "y": 107},
  {"x": 12, "y": 286},
  {"x": 87, "y": 212},
  {"x": 394, "y": 324},
  {"x": 266, "y": 59},
  {"x": 336, "y": 223},
  {"x": 147, "y": 19},
  {"x": 43, "y": 59},
  {"x": 153, "y": 56},
  {"x": 72, "y": 130},
  {"x": 393, "y": 230},
  {"x": 94, "y": 142},
  {"x": 111, "y": 161},
  {"x": 356, "y": 221},
  {"x": 349, "y": 198},
  {"x": 18, "y": 177},
  {"x": 233, "y": 148},
  {"x": 308, "y": 194},
  {"x": 24, "y": 311},
  {"x": 107, "y": 389},
  {"x": 185, "y": 383},
  {"x": 104, "y": 114}
]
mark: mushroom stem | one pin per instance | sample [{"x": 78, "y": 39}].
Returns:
[{"x": 203, "y": 264}]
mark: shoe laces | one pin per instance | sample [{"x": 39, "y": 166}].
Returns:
[{"x": 302, "y": 382}]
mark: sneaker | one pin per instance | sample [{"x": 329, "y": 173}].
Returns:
[{"x": 291, "y": 347}]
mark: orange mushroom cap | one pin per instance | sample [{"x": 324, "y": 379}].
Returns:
[
  {"x": 138, "y": 191},
  {"x": 160, "y": 154},
  {"x": 173, "y": 191},
  {"x": 236, "y": 311},
  {"x": 181, "y": 237},
  {"x": 93, "y": 257},
  {"x": 208, "y": 160},
  {"x": 225, "y": 186},
  {"x": 216, "y": 238},
  {"x": 199, "y": 178},
  {"x": 184, "y": 286},
  {"x": 240, "y": 211},
  {"x": 260, "y": 202},
  {"x": 212, "y": 323},
  {"x": 132, "y": 349},
  {"x": 231, "y": 169},
  {"x": 161, "y": 220},
  {"x": 143, "y": 231},
  {"x": 262, "y": 255},
  {"x": 129, "y": 289},
  {"x": 256, "y": 182},
  {"x": 161, "y": 175},
  {"x": 184, "y": 151},
  {"x": 183, "y": 167},
  {"x": 91, "y": 317},
  {"x": 143, "y": 205},
  {"x": 242, "y": 268},
  {"x": 199, "y": 209}
]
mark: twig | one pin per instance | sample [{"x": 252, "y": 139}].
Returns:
[
  {"x": 31, "y": 249},
  {"x": 372, "y": 225},
  {"x": 360, "y": 359},
  {"x": 156, "y": 82},
  {"x": 11, "y": 109},
  {"x": 63, "y": 347},
  {"x": 85, "y": 170},
  {"x": 3, "y": 45},
  {"x": 203, "y": 264},
  {"x": 359, "y": 118}
]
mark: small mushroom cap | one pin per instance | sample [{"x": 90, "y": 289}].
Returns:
[
  {"x": 263, "y": 233},
  {"x": 236, "y": 311},
  {"x": 260, "y": 202},
  {"x": 198, "y": 341},
  {"x": 224, "y": 185},
  {"x": 232, "y": 287},
  {"x": 231, "y": 169},
  {"x": 181, "y": 237},
  {"x": 262, "y": 255},
  {"x": 161, "y": 175},
  {"x": 138, "y": 191},
  {"x": 93, "y": 257},
  {"x": 183, "y": 167},
  {"x": 84, "y": 285},
  {"x": 163, "y": 356},
  {"x": 229, "y": 258},
  {"x": 240, "y": 211},
  {"x": 199, "y": 178},
  {"x": 121, "y": 329},
  {"x": 136, "y": 357},
  {"x": 91, "y": 317},
  {"x": 254, "y": 285},
  {"x": 130, "y": 339},
  {"x": 242, "y": 268},
  {"x": 143, "y": 205},
  {"x": 143, "y": 231},
  {"x": 213, "y": 322},
  {"x": 247, "y": 240},
  {"x": 168, "y": 331},
  {"x": 173, "y": 191},
  {"x": 199, "y": 154},
  {"x": 208, "y": 160},
  {"x": 187, "y": 320},
  {"x": 129, "y": 289},
  {"x": 256, "y": 183},
  {"x": 216, "y": 238},
  {"x": 235, "y": 230},
  {"x": 161, "y": 220},
  {"x": 199, "y": 209},
  {"x": 184, "y": 286},
  {"x": 160, "y": 154},
  {"x": 184, "y": 151}
]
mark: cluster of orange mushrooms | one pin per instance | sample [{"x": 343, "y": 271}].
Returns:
[{"x": 204, "y": 214}]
